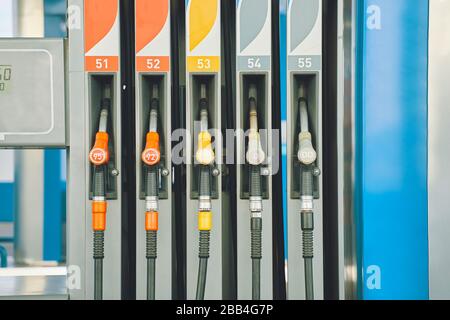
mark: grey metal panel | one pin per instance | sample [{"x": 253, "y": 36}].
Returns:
[
  {"x": 439, "y": 150},
  {"x": 79, "y": 219},
  {"x": 33, "y": 102},
  {"x": 313, "y": 37},
  {"x": 76, "y": 183},
  {"x": 346, "y": 145}
]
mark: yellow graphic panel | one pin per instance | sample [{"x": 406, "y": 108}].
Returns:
[{"x": 202, "y": 16}]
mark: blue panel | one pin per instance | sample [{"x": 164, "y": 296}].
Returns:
[
  {"x": 7, "y": 202},
  {"x": 391, "y": 189},
  {"x": 55, "y": 18},
  {"x": 54, "y": 205}
]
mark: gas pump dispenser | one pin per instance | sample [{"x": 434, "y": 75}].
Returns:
[
  {"x": 304, "y": 144},
  {"x": 254, "y": 149},
  {"x": 154, "y": 223},
  {"x": 94, "y": 150},
  {"x": 205, "y": 270},
  {"x": 99, "y": 158}
]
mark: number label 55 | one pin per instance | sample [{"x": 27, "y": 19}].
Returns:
[{"x": 305, "y": 63}]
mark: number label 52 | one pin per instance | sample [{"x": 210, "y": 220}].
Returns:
[{"x": 153, "y": 64}]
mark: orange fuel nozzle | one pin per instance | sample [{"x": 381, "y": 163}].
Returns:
[
  {"x": 152, "y": 153},
  {"x": 99, "y": 154}
]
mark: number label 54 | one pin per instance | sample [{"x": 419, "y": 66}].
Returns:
[{"x": 254, "y": 63}]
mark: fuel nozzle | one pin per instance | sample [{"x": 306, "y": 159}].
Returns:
[
  {"x": 151, "y": 157},
  {"x": 205, "y": 153},
  {"x": 152, "y": 153},
  {"x": 306, "y": 153},
  {"x": 307, "y": 156},
  {"x": 255, "y": 155},
  {"x": 99, "y": 158},
  {"x": 205, "y": 157}
]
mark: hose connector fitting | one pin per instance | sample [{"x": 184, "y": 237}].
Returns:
[
  {"x": 205, "y": 221},
  {"x": 99, "y": 215},
  {"x": 151, "y": 221}
]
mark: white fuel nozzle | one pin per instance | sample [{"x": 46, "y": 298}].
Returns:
[
  {"x": 255, "y": 155},
  {"x": 306, "y": 153}
]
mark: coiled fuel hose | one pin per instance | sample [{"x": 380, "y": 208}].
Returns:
[
  {"x": 255, "y": 157},
  {"x": 99, "y": 158},
  {"x": 151, "y": 157},
  {"x": 205, "y": 158},
  {"x": 307, "y": 156}
]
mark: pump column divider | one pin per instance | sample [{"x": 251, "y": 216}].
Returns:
[{"x": 128, "y": 168}]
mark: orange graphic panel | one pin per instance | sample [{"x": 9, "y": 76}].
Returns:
[
  {"x": 99, "y": 17},
  {"x": 151, "y": 17}
]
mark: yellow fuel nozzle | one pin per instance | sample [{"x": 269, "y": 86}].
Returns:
[{"x": 205, "y": 153}]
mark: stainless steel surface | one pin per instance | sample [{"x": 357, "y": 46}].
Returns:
[
  {"x": 33, "y": 283},
  {"x": 29, "y": 207},
  {"x": 439, "y": 150},
  {"x": 348, "y": 270}
]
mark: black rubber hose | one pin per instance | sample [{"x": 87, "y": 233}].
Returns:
[
  {"x": 98, "y": 190},
  {"x": 256, "y": 254},
  {"x": 99, "y": 242},
  {"x": 308, "y": 252},
  {"x": 203, "y": 264},
  {"x": 151, "y": 255},
  {"x": 256, "y": 233},
  {"x": 307, "y": 225}
]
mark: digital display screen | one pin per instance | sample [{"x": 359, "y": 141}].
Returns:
[{"x": 5, "y": 77}]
